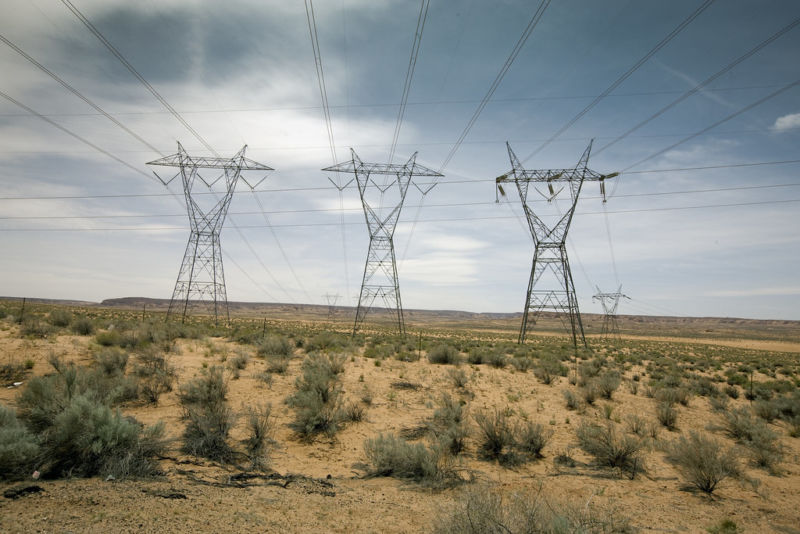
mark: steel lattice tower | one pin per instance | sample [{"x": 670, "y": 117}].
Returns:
[
  {"x": 550, "y": 252},
  {"x": 380, "y": 270},
  {"x": 610, "y": 303},
  {"x": 201, "y": 279}
]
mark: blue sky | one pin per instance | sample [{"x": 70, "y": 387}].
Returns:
[{"x": 719, "y": 241}]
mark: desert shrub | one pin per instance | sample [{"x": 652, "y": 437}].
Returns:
[
  {"x": 353, "y": 412},
  {"x": 766, "y": 410},
  {"x": 444, "y": 354},
  {"x": 259, "y": 423},
  {"x": 672, "y": 395},
  {"x": 496, "y": 359},
  {"x": 82, "y": 326},
  {"x": 704, "y": 387},
  {"x": 59, "y": 318},
  {"x": 531, "y": 438},
  {"x": 35, "y": 327},
  {"x": 317, "y": 401},
  {"x": 522, "y": 364},
  {"x": 109, "y": 338},
  {"x": 479, "y": 355},
  {"x": 636, "y": 425},
  {"x": 497, "y": 438},
  {"x": 238, "y": 363},
  {"x": 761, "y": 442},
  {"x": 391, "y": 456},
  {"x": 448, "y": 424},
  {"x": 326, "y": 341},
  {"x": 112, "y": 361},
  {"x": 725, "y": 526},
  {"x": 607, "y": 383},
  {"x": 482, "y": 510},
  {"x": 278, "y": 364},
  {"x": 208, "y": 417},
  {"x": 667, "y": 415},
  {"x": 732, "y": 392},
  {"x": 274, "y": 345},
  {"x": 702, "y": 461},
  {"x": 19, "y": 447},
  {"x": 589, "y": 392},
  {"x": 88, "y": 438},
  {"x": 458, "y": 377},
  {"x": 719, "y": 404},
  {"x": 155, "y": 374},
  {"x": 11, "y": 372},
  {"x": 572, "y": 400},
  {"x": 609, "y": 448}
]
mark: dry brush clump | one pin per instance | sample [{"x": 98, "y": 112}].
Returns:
[
  {"x": 610, "y": 448},
  {"x": 703, "y": 461},
  {"x": 317, "y": 403},
  {"x": 480, "y": 510},
  {"x": 509, "y": 443},
  {"x": 209, "y": 418},
  {"x": 444, "y": 354},
  {"x": 392, "y": 456},
  {"x": 760, "y": 441}
]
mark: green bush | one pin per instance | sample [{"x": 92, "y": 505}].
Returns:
[
  {"x": 83, "y": 326},
  {"x": 609, "y": 448},
  {"x": 155, "y": 374},
  {"x": 19, "y": 447},
  {"x": 607, "y": 383},
  {"x": 317, "y": 401},
  {"x": 112, "y": 361},
  {"x": 761, "y": 441},
  {"x": 59, "y": 318},
  {"x": 274, "y": 345},
  {"x": 35, "y": 327},
  {"x": 448, "y": 424},
  {"x": 208, "y": 417},
  {"x": 531, "y": 438},
  {"x": 259, "y": 421},
  {"x": 444, "y": 354},
  {"x": 87, "y": 439},
  {"x": 702, "y": 461},
  {"x": 497, "y": 437},
  {"x": 391, "y": 456}
]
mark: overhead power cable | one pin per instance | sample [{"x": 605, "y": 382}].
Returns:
[
  {"x": 537, "y": 16},
  {"x": 412, "y": 63},
  {"x": 171, "y": 110},
  {"x": 702, "y": 85},
  {"x": 441, "y": 219},
  {"x": 670, "y": 36},
  {"x": 323, "y": 92},
  {"x": 136, "y": 74},
  {"x": 717, "y": 123},
  {"x": 76, "y": 136},
  {"x": 77, "y": 93}
]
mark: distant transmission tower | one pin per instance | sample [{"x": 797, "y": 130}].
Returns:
[
  {"x": 380, "y": 270},
  {"x": 610, "y": 303},
  {"x": 201, "y": 280},
  {"x": 550, "y": 252},
  {"x": 331, "y": 300}
]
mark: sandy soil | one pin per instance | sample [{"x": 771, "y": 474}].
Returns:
[{"x": 320, "y": 487}]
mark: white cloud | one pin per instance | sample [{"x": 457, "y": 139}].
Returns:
[{"x": 787, "y": 122}]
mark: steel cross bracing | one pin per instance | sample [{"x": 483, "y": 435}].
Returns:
[
  {"x": 550, "y": 254},
  {"x": 380, "y": 271},
  {"x": 201, "y": 279},
  {"x": 610, "y": 303}
]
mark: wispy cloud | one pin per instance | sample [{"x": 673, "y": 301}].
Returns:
[{"x": 787, "y": 122}]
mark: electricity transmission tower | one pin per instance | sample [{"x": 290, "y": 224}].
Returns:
[
  {"x": 610, "y": 302},
  {"x": 550, "y": 262},
  {"x": 201, "y": 280},
  {"x": 331, "y": 300},
  {"x": 380, "y": 270}
]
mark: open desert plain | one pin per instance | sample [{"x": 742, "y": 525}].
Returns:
[{"x": 114, "y": 420}]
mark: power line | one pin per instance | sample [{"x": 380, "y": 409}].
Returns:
[
  {"x": 136, "y": 74},
  {"x": 670, "y": 36},
  {"x": 323, "y": 91},
  {"x": 704, "y": 83},
  {"x": 412, "y": 63},
  {"x": 714, "y": 125},
  {"x": 77, "y": 93},
  {"x": 411, "y": 103},
  {"x": 443, "y": 219},
  {"x": 499, "y": 78}
]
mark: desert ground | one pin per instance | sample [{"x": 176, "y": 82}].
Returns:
[{"x": 440, "y": 395}]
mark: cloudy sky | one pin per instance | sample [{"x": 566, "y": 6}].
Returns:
[{"x": 703, "y": 220}]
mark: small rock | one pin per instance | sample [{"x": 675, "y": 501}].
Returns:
[{"x": 20, "y": 491}]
